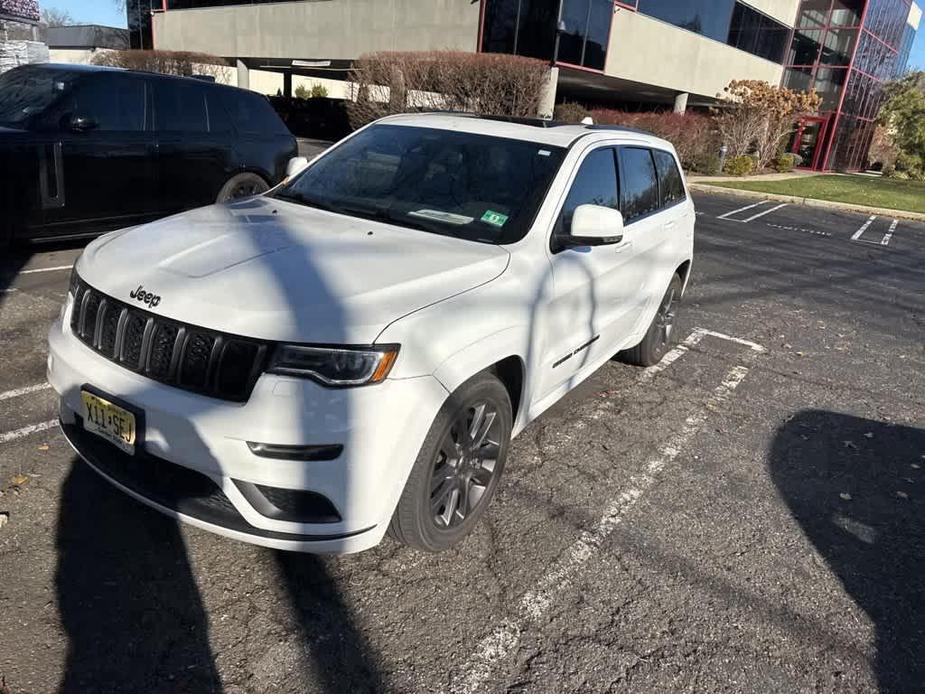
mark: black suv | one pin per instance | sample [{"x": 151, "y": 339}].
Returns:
[{"x": 85, "y": 149}]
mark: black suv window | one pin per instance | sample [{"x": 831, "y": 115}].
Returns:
[
  {"x": 669, "y": 178},
  {"x": 594, "y": 184},
  {"x": 251, "y": 113},
  {"x": 638, "y": 183},
  {"x": 180, "y": 106},
  {"x": 115, "y": 102}
]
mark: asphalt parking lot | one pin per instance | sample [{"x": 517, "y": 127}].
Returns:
[{"x": 747, "y": 516}]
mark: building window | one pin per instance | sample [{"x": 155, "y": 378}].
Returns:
[
  {"x": 729, "y": 21},
  {"x": 528, "y": 27}
]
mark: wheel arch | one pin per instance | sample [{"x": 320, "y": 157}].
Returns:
[
  {"x": 684, "y": 271},
  {"x": 496, "y": 354}
]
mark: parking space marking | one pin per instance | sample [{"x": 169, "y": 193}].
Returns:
[
  {"x": 857, "y": 235},
  {"x": 26, "y": 390},
  {"x": 8, "y": 291},
  {"x": 45, "y": 269},
  {"x": 742, "y": 209},
  {"x": 689, "y": 342},
  {"x": 814, "y": 232},
  {"x": 762, "y": 214},
  {"x": 8, "y": 436},
  {"x": 505, "y": 638},
  {"x": 886, "y": 239}
]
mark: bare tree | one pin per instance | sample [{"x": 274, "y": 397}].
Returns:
[{"x": 54, "y": 17}]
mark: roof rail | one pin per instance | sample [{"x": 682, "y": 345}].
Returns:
[{"x": 620, "y": 128}]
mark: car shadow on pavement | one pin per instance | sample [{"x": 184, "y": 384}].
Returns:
[
  {"x": 341, "y": 656},
  {"x": 127, "y": 595},
  {"x": 856, "y": 487}
]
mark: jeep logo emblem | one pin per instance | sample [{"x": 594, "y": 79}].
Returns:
[{"x": 144, "y": 297}]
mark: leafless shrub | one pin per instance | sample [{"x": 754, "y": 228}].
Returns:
[
  {"x": 179, "y": 63},
  {"x": 757, "y": 117},
  {"x": 387, "y": 83}
]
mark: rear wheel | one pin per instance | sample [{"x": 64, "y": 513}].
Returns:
[
  {"x": 242, "y": 185},
  {"x": 458, "y": 469},
  {"x": 661, "y": 334}
]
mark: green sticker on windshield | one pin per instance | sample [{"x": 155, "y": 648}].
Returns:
[{"x": 496, "y": 219}]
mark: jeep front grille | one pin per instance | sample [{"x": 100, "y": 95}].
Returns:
[{"x": 181, "y": 355}]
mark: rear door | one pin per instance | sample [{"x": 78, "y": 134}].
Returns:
[
  {"x": 105, "y": 169},
  {"x": 193, "y": 144},
  {"x": 661, "y": 223}
]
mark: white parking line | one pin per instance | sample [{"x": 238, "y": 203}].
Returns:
[
  {"x": 864, "y": 228},
  {"x": 495, "y": 647},
  {"x": 741, "y": 209},
  {"x": 889, "y": 234},
  {"x": 8, "y": 291},
  {"x": 762, "y": 214},
  {"x": 24, "y": 391},
  {"x": 27, "y": 431},
  {"x": 672, "y": 356},
  {"x": 45, "y": 269}
]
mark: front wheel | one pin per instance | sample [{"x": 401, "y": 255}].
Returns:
[
  {"x": 458, "y": 469},
  {"x": 244, "y": 185},
  {"x": 661, "y": 334}
]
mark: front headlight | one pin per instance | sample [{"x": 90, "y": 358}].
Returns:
[{"x": 335, "y": 366}]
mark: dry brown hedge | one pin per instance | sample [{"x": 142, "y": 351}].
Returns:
[
  {"x": 180, "y": 63},
  {"x": 387, "y": 83}
]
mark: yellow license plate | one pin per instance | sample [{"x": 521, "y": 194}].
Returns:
[{"x": 109, "y": 421}]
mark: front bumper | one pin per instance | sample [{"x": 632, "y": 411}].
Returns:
[{"x": 193, "y": 459}]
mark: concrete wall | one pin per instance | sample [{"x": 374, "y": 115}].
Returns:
[
  {"x": 82, "y": 56},
  {"x": 335, "y": 29},
  {"x": 782, "y": 10},
  {"x": 646, "y": 50}
]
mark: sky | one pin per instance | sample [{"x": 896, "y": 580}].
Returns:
[{"x": 107, "y": 12}]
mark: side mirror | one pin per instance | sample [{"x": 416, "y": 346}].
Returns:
[
  {"x": 594, "y": 225},
  {"x": 80, "y": 124},
  {"x": 295, "y": 166}
]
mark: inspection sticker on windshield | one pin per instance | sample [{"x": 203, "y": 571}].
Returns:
[{"x": 496, "y": 219}]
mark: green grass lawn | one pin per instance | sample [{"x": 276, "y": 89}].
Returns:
[{"x": 859, "y": 190}]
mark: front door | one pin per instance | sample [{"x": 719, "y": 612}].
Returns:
[
  {"x": 104, "y": 161},
  {"x": 594, "y": 295},
  {"x": 807, "y": 140}
]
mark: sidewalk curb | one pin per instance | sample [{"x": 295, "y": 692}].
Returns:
[{"x": 810, "y": 202}]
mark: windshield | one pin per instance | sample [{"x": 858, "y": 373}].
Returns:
[
  {"x": 27, "y": 91},
  {"x": 458, "y": 184}
]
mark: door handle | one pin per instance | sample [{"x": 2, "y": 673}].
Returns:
[
  {"x": 619, "y": 248},
  {"x": 671, "y": 225}
]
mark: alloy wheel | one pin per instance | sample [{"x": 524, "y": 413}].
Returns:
[{"x": 465, "y": 464}]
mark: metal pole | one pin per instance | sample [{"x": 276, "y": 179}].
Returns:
[{"x": 555, "y": 53}]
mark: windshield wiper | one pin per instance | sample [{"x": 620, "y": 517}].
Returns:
[{"x": 376, "y": 214}]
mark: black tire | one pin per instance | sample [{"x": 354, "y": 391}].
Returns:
[
  {"x": 243, "y": 185},
  {"x": 660, "y": 336},
  {"x": 427, "y": 517}
]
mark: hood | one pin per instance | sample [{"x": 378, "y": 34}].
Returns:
[{"x": 275, "y": 270}]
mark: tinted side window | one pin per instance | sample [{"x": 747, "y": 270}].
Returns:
[
  {"x": 669, "y": 178},
  {"x": 219, "y": 122},
  {"x": 251, "y": 113},
  {"x": 117, "y": 102},
  {"x": 639, "y": 183},
  {"x": 180, "y": 106}
]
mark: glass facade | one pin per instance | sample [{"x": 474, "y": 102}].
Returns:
[
  {"x": 528, "y": 27},
  {"x": 846, "y": 50},
  {"x": 729, "y": 21}
]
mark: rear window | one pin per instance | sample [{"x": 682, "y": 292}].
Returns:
[
  {"x": 180, "y": 106},
  {"x": 251, "y": 113},
  {"x": 669, "y": 178}
]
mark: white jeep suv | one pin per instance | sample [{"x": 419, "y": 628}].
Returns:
[{"x": 352, "y": 352}]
